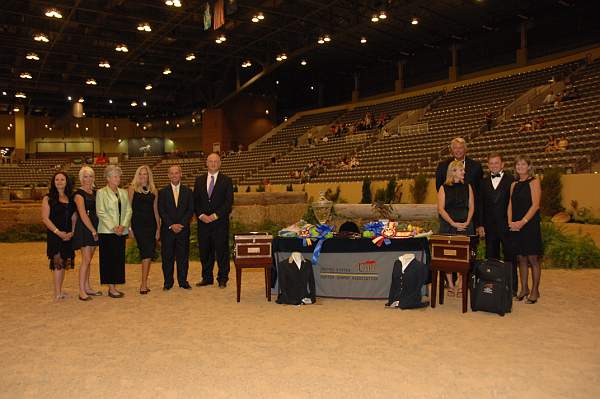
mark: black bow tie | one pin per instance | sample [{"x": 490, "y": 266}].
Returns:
[{"x": 495, "y": 175}]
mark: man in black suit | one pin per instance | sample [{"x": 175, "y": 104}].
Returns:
[
  {"x": 494, "y": 195},
  {"x": 176, "y": 208},
  {"x": 473, "y": 171},
  {"x": 213, "y": 200}
]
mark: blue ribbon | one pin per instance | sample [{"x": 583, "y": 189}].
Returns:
[
  {"x": 375, "y": 227},
  {"x": 323, "y": 230}
]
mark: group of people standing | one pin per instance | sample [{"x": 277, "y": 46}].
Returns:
[
  {"x": 502, "y": 208},
  {"x": 104, "y": 218}
]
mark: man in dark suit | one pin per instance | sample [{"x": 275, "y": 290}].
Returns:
[
  {"x": 494, "y": 195},
  {"x": 213, "y": 200},
  {"x": 176, "y": 208},
  {"x": 473, "y": 171}
]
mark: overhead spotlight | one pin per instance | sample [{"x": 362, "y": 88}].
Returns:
[
  {"x": 278, "y": 58},
  {"x": 414, "y": 21},
  {"x": 220, "y": 39},
  {"x": 16, "y": 109},
  {"x": 104, "y": 64},
  {"x": 363, "y": 40},
  {"x": 119, "y": 140},
  {"x": 134, "y": 103},
  {"x": 193, "y": 120},
  {"x": 375, "y": 18},
  {"x": 77, "y": 125},
  {"x": 190, "y": 57},
  {"x": 115, "y": 128},
  {"x": 246, "y": 64},
  {"x": 312, "y": 87},
  {"x": 284, "y": 56},
  {"x": 121, "y": 48},
  {"x": 87, "y": 128},
  {"x": 266, "y": 112},
  {"x": 3, "y": 93},
  {"x": 81, "y": 100},
  {"x": 53, "y": 13},
  {"x": 277, "y": 82},
  {"x": 46, "y": 126},
  {"x": 107, "y": 124},
  {"x": 321, "y": 40},
  {"x": 69, "y": 98},
  {"x": 255, "y": 19},
  {"x": 25, "y": 75},
  {"x": 110, "y": 101},
  {"x": 173, "y": 3},
  {"x": 20, "y": 94},
  {"x": 167, "y": 122},
  {"x": 167, "y": 71},
  {"x": 303, "y": 62},
  {"x": 261, "y": 16},
  {"x": 382, "y": 14},
  {"x": 326, "y": 38},
  {"x": 144, "y": 103},
  {"x": 144, "y": 27},
  {"x": 177, "y": 125},
  {"x": 148, "y": 87},
  {"x": 91, "y": 82},
  {"x": 40, "y": 37},
  {"x": 32, "y": 56}
]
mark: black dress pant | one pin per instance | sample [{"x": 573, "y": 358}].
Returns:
[
  {"x": 175, "y": 247},
  {"x": 213, "y": 243},
  {"x": 112, "y": 258},
  {"x": 492, "y": 251}
]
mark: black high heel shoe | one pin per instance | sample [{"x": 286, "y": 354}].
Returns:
[{"x": 521, "y": 297}]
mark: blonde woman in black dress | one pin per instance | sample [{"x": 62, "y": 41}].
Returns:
[
  {"x": 86, "y": 234},
  {"x": 524, "y": 224},
  {"x": 58, "y": 214},
  {"x": 145, "y": 221}
]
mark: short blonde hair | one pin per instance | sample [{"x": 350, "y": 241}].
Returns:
[
  {"x": 450, "y": 172},
  {"x": 135, "y": 182},
  {"x": 86, "y": 169},
  {"x": 112, "y": 170},
  {"x": 527, "y": 160},
  {"x": 458, "y": 140}
]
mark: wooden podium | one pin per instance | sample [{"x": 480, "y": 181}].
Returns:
[
  {"x": 253, "y": 250},
  {"x": 451, "y": 254}
]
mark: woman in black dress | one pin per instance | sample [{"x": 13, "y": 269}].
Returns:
[
  {"x": 86, "y": 234},
  {"x": 456, "y": 206},
  {"x": 524, "y": 223},
  {"x": 58, "y": 214},
  {"x": 145, "y": 221}
]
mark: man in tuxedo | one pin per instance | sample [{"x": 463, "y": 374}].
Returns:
[
  {"x": 213, "y": 200},
  {"x": 494, "y": 195},
  {"x": 176, "y": 208},
  {"x": 473, "y": 171}
]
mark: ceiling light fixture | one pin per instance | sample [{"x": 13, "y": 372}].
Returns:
[
  {"x": 104, "y": 64},
  {"x": 375, "y": 18},
  {"x": 246, "y": 64},
  {"x": 91, "y": 82},
  {"x": 303, "y": 62},
  {"x": 53, "y": 13},
  {"x": 173, "y": 3},
  {"x": 363, "y": 40},
  {"x": 32, "y": 56},
  {"x": 121, "y": 48},
  {"x": 25, "y": 75},
  {"x": 261, "y": 16},
  {"x": 40, "y": 37},
  {"x": 382, "y": 14},
  {"x": 3, "y": 93},
  {"x": 167, "y": 71},
  {"x": 20, "y": 94},
  {"x": 326, "y": 38},
  {"x": 144, "y": 27},
  {"x": 320, "y": 40},
  {"x": 134, "y": 103},
  {"x": 414, "y": 21},
  {"x": 144, "y": 103},
  {"x": 220, "y": 39},
  {"x": 69, "y": 98},
  {"x": 190, "y": 57},
  {"x": 16, "y": 109},
  {"x": 255, "y": 19},
  {"x": 110, "y": 101},
  {"x": 148, "y": 87},
  {"x": 81, "y": 100}
]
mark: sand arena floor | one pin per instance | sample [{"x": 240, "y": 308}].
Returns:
[{"x": 202, "y": 344}]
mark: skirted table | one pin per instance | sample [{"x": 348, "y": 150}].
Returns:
[{"x": 352, "y": 268}]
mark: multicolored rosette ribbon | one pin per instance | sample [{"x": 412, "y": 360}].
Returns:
[
  {"x": 318, "y": 233},
  {"x": 375, "y": 230}
]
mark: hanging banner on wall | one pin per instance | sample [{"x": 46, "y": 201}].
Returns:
[
  {"x": 145, "y": 146},
  {"x": 206, "y": 16}
]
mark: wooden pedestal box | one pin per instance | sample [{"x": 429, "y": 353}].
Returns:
[{"x": 252, "y": 245}]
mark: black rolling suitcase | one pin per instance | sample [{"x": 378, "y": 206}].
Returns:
[{"x": 491, "y": 286}]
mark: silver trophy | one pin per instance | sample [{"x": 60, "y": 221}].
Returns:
[{"x": 322, "y": 208}]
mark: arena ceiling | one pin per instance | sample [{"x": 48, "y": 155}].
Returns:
[{"x": 89, "y": 31}]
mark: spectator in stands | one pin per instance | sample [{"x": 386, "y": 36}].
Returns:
[
  {"x": 273, "y": 158},
  {"x": 562, "y": 144},
  {"x": 354, "y": 162},
  {"x": 557, "y": 100},
  {"x": 325, "y": 139},
  {"x": 101, "y": 159},
  {"x": 489, "y": 120},
  {"x": 58, "y": 214},
  {"x": 526, "y": 126},
  {"x": 550, "y": 98},
  {"x": 86, "y": 229},
  {"x": 539, "y": 123},
  {"x": 145, "y": 220},
  {"x": 524, "y": 224},
  {"x": 551, "y": 144},
  {"x": 456, "y": 207},
  {"x": 570, "y": 93},
  {"x": 385, "y": 133},
  {"x": 114, "y": 216}
]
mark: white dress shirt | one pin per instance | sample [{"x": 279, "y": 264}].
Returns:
[
  {"x": 496, "y": 180},
  {"x": 208, "y": 179}
]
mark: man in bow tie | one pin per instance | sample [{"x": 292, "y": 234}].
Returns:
[
  {"x": 213, "y": 200},
  {"x": 494, "y": 195}
]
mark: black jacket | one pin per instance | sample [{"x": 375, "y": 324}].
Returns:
[
  {"x": 295, "y": 284},
  {"x": 219, "y": 203},
  {"x": 406, "y": 286},
  {"x": 493, "y": 205},
  {"x": 171, "y": 214},
  {"x": 473, "y": 173}
]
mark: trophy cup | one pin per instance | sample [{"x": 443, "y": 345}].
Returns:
[{"x": 322, "y": 208}]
